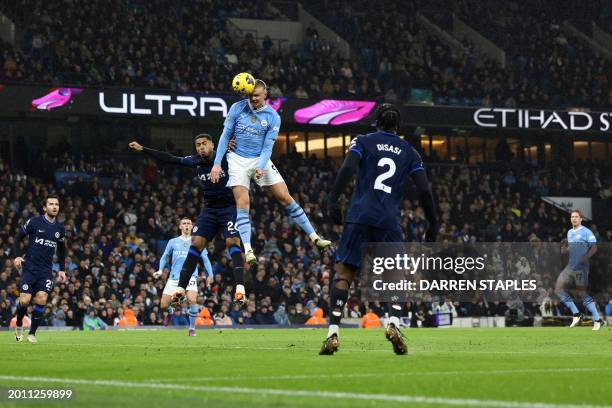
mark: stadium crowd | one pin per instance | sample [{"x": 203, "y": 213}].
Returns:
[
  {"x": 541, "y": 59},
  {"x": 118, "y": 219},
  {"x": 193, "y": 47}
]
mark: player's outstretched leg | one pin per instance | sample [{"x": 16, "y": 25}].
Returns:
[
  {"x": 297, "y": 214},
  {"x": 392, "y": 331},
  {"x": 589, "y": 303}
]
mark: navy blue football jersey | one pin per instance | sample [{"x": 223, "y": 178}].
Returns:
[
  {"x": 44, "y": 238},
  {"x": 216, "y": 195},
  {"x": 386, "y": 162}
]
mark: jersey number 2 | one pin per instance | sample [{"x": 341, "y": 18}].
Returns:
[{"x": 378, "y": 183}]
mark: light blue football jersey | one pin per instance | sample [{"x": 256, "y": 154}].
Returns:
[
  {"x": 255, "y": 132},
  {"x": 177, "y": 249},
  {"x": 580, "y": 241}
]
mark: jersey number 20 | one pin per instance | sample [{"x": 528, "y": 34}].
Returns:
[{"x": 378, "y": 183}]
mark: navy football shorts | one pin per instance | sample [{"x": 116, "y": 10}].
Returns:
[
  {"x": 350, "y": 248},
  {"x": 36, "y": 281},
  {"x": 211, "y": 220}
]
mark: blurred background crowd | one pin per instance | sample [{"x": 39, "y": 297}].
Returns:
[
  {"x": 118, "y": 223},
  {"x": 195, "y": 47},
  {"x": 120, "y": 213}
]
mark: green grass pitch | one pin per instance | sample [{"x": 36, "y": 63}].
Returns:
[{"x": 539, "y": 367}]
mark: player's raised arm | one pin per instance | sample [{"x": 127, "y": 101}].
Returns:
[{"x": 159, "y": 155}]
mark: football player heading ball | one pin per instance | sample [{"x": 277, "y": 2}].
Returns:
[{"x": 255, "y": 126}]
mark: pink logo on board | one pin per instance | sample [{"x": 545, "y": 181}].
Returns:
[
  {"x": 55, "y": 98},
  {"x": 334, "y": 112}
]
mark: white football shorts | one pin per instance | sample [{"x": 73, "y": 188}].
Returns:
[
  {"x": 172, "y": 286},
  {"x": 242, "y": 171}
]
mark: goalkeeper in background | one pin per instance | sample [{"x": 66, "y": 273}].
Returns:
[{"x": 255, "y": 126}]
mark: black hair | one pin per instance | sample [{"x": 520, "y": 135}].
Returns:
[
  {"x": 50, "y": 196},
  {"x": 203, "y": 136},
  {"x": 388, "y": 117},
  {"x": 44, "y": 203}
]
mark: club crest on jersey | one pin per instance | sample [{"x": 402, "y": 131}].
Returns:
[
  {"x": 195, "y": 229},
  {"x": 25, "y": 286},
  {"x": 253, "y": 119},
  {"x": 57, "y": 235},
  {"x": 264, "y": 123}
]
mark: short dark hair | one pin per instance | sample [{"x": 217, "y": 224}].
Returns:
[
  {"x": 388, "y": 117},
  {"x": 185, "y": 218},
  {"x": 260, "y": 83},
  {"x": 50, "y": 196},
  {"x": 577, "y": 212},
  {"x": 202, "y": 136}
]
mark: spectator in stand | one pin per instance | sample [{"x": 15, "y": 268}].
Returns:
[
  {"x": 116, "y": 275},
  {"x": 203, "y": 318},
  {"x": 370, "y": 320},
  {"x": 93, "y": 322},
  {"x": 317, "y": 318},
  {"x": 60, "y": 318},
  {"x": 128, "y": 319},
  {"x": 221, "y": 319}
]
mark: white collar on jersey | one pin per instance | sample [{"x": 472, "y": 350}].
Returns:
[
  {"x": 577, "y": 229},
  {"x": 185, "y": 239},
  {"x": 258, "y": 110}
]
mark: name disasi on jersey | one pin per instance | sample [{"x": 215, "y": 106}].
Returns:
[{"x": 388, "y": 148}]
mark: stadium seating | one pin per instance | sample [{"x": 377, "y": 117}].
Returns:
[
  {"x": 126, "y": 44},
  {"x": 117, "y": 234}
]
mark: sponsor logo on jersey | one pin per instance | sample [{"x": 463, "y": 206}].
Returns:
[{"x": 45, "y": 242}]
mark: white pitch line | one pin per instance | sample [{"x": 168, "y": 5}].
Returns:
[
  {"x": 304, "y": 393},
  {"x": 391, "y": 375}
]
